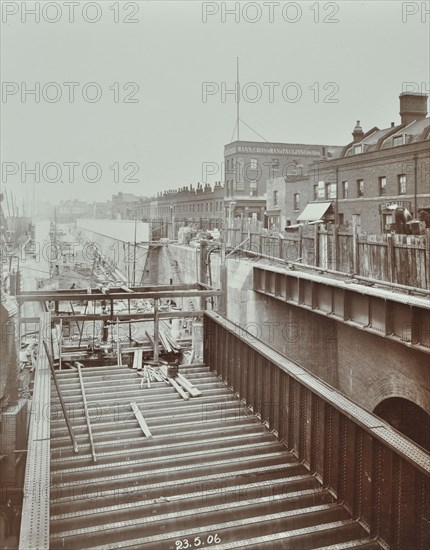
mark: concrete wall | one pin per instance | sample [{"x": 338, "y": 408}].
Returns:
[
  {"x": 120, "y": 230},
  {"x": 365, "y": 367}
]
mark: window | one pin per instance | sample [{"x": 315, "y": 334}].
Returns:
[
  {"x": 388, "y": 219},
  {"x": 332, "y": 191},
  {"x": 402, "y": 184},
  {"x": 344, "y": 189},
  {"x": 397, "y": 140},
  {"x": 296, "y": 201},
  {"x": 340, "y": 218},
  {"x": 275, "y": 164},
  {"x": 360, "y": 188},
  {"x": 254, "y": 163},
  {"x": 358, "y": 149},
  {"x": 382, "y": 185},
  {"x": 275, "y": 198},
  {"x": 315, "y": 192},
  {"x": 321, "y": 190}
]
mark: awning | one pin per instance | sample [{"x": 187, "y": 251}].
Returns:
[{"x": 314, "y": 211}]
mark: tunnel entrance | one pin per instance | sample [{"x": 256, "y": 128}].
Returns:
[{"x": 407, "y": 417}]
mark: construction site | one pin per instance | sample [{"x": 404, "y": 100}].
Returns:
[{"x": 210, "y": 409}]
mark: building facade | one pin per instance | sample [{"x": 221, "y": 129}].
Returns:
[
  {"x": 186, "y": 203},
  {"x": 251, "y": 165},
  {"x": 124, "y": 206},
  {"x": 377, "y": 169}
]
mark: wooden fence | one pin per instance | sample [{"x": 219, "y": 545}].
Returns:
[{"x": 400, "y": 259}]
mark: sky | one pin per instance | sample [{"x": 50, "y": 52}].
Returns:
[{"x": 132, "y": 94}]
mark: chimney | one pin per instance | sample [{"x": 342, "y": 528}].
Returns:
[
  {"x": 413, "y": 106},
  {"x": 358, "y": 133}
]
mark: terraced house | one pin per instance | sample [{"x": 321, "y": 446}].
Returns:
[{"x": 378, "y": 168}]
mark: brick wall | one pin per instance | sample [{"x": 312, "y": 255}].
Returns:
[{"x": 388, "y": 163}]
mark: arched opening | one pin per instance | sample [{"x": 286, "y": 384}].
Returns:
[{"x": 407, "y": 417}]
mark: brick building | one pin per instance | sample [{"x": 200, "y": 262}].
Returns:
[
  {"x": 69, "y": 211},
  {"x": 250, "y": 165},
  {"x": 376, "y": 169},
  {"x": 186, "y": 203},
  {"x": 124, "y": 205}
]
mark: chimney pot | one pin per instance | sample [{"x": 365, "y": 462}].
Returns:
[
  {"x": 413, "y": 106},
  {"x": 357, "y": 133}
]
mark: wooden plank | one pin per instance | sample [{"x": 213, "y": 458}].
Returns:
[
  {"x": 137, "y": 359},
  {"x": 178, "y": 388},
  {"x": 188, "y": 386},
  {"x": 139, "y": 417}
]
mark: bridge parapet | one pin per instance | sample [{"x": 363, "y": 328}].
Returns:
[
  {"x": 381, "y": 476},
  {"x": 399, "y": 317}
]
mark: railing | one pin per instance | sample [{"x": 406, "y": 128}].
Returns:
[
  {"x": 400, "y": 259},
  {"x": 381, "y": 477}
]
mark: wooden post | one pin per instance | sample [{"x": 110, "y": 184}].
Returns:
[
  {"x": 156, "y": 332},
  {"x": 223, "y": 281},
  {"x": 300, "y": 259},
  {"x": 335, "y": 260},
  {"x": 354, "y": 246},
  {"x": 203, "y": 276},
  {"x": 427, "y": 258},
  {"x": 60, "y": 342},
  {"x": 391, "y": 258},
  {"x": 118, "y": 350},
  {"x": 317, "y": 246}
]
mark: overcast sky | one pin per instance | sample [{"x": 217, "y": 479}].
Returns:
[{"x": 360, "y": 63}]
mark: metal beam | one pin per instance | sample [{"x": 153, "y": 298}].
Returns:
[
  {"x": 121, "y": 316},
  {"x": 35, "y": 509},
  {"x": 113, "y": 290},
  {"x": 364, "y": 308},
  {"x": 94, "y": 297}
]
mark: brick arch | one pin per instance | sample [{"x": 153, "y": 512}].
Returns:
[{"x": 397, "y": 385}]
